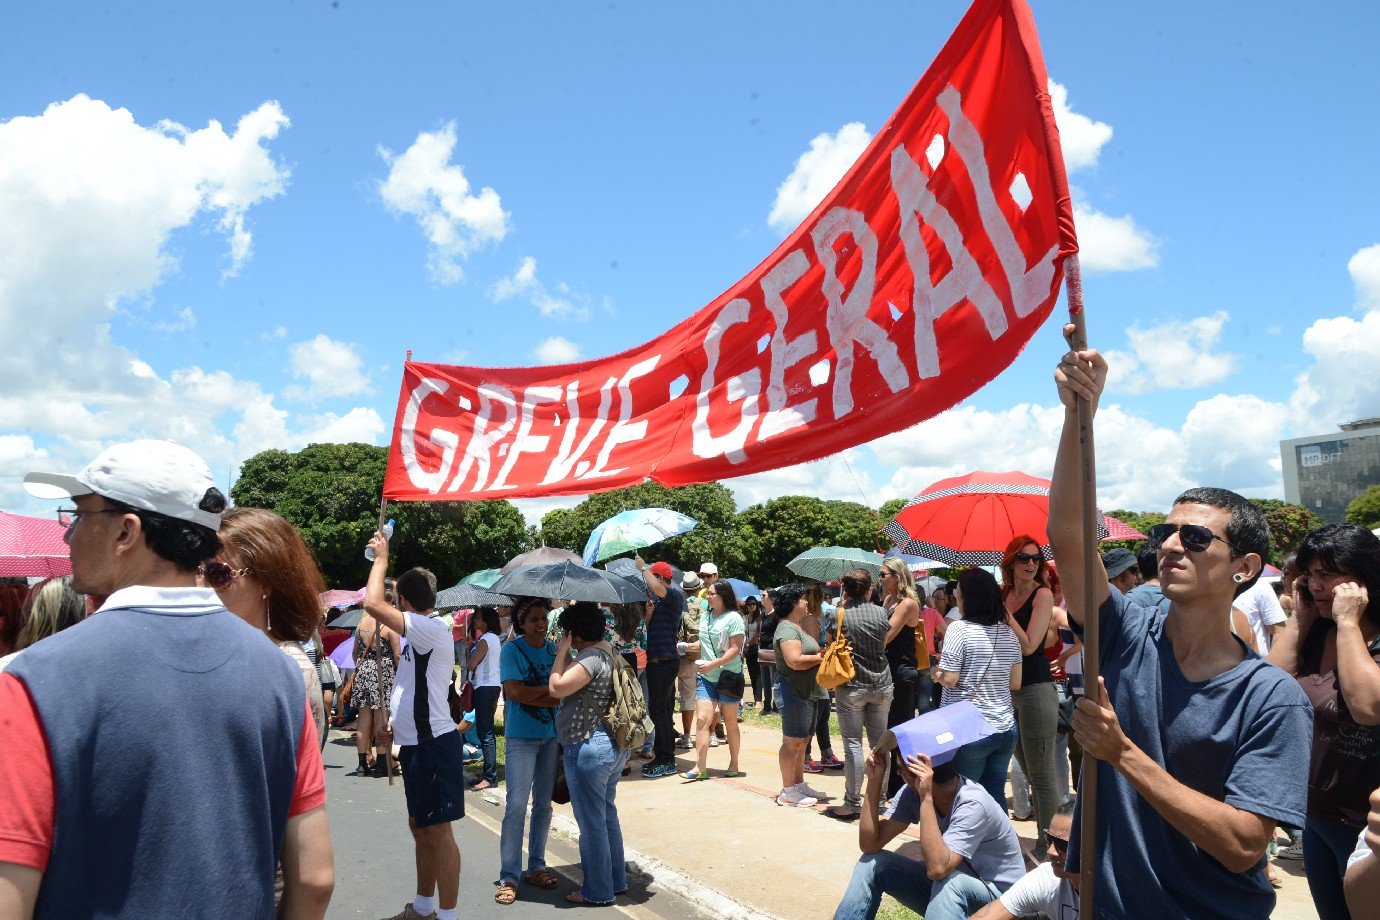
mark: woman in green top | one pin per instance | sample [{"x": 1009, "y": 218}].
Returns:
[
  {"x": 719, "y": 680},
  {"x": 798, "y": 696}
]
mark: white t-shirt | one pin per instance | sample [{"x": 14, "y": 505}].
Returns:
[
  {"x": 1041, "y": 893},
  {"x": 428, "y": 665},
  {"x": 1361, "y": 852},
  {"x": 486, "y": 675},
  {"x": 1262, "y": 609}
]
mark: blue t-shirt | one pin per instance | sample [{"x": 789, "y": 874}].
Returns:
[
  {"x": 975, "y": 828},
  {"x": 1242, "y": 737},
  {"x": 521, "y": 662},
  {"x": 1148, "y": 596}
]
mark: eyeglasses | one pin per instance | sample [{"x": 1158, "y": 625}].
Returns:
[
  {"x": 1195, "y": 537},
  {"x": 74, "y": 515},
  {"x": 1061, "y": 844},
  {"x": 1027, "y": 557},
  {"x": 220, "y": 576}
]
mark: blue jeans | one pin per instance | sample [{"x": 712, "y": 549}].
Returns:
[
  {"x": 592, "y": 770},
  {"x": 485, "y": 702},
  {"x": 531, "y": 773},
  {"x": 859, "y": 707},
  {"x": 953, "y": 897},
  {"x": 651, "y": 736},
  {"x": 1327, "y": 843},
  {"x": 986, "y": 761}
]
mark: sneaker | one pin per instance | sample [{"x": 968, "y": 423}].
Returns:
[
  {"x": 1293, "y": 851},
  {"x": 832, "y": 763},
  {"x": 713, "y": 741},
  {"x": 685, "y": 744},
  {"x": 814, "y": 766},
  {"x": 409, "y": 913},
  {"x": 658, "y": 770},
  {"x": 811, "y": 791},
  {"x": 794, "y": 798}
]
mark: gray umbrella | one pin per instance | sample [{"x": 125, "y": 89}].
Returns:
[
  {"x": 570, "y": 581},
  {"x": 347, "y": 620},
  {"x": 542, "y": 555},
  {"x": 463, "y": 595},
  {"x": 631, "y": 591},
  {"x": 628, "y": 569}
]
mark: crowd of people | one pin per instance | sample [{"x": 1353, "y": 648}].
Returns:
[{"x": 1225, "y": 710}]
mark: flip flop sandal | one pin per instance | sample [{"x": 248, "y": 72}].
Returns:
[
  {"x": 506, "y": 894},
  {"x": 543, "y": 878},
  {"x": 694, "y": 777},
  {"x": 733, "y": 774},
  {"x": 575, "y": 897}
]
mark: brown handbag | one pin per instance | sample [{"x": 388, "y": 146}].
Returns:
[{"x": 836, "y": 664}]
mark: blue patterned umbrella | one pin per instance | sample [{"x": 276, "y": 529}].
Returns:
[{"x": 631, "y": 530}]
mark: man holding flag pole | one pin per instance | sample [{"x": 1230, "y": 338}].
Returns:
[{"x": 1185, "y": 718}]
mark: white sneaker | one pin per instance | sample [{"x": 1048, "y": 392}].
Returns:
[
  {"x": 713, "y": 742},
  {"x": 794, "y": 798},
  {"x": 806, "y": 789},
  {"x": 685, "y": 744}
]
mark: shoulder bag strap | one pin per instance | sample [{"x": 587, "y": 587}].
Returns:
[{"x": 840, "y": 609}]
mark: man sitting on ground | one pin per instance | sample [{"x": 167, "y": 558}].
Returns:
[
  {"x": 1050, "y": 890},
  {"x": 962, "y": 832},
  {"x": 1202, "y": 746}
]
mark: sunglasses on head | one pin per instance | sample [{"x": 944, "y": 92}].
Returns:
[
  {"x": 1195, "y": 537},
  {"x": 219, "y": 576},
  {"x": 1027, "y": 557}
]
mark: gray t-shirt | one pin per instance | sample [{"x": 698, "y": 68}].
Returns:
[
  {"x": 975, "y": 828},
  {"x": 802, "y": 682},
  {"x": 583, "y": 712},
  {"x": 865, "y": 626}
]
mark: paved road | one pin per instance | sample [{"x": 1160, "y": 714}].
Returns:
[{"x": 373, "y": 855}]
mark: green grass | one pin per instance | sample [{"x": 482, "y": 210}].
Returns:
[
  {"x": 755, "y": 717},
  {"x": 890, "y": 910}
]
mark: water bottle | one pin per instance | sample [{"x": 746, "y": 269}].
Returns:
[{"x": 387, "y": 533}]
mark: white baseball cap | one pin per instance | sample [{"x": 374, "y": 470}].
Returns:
[
  {"x": 709, "y": 568},
  {"x": 159, "y": 476}
]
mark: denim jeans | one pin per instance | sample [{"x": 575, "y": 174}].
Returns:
[
  {"x": 485, "y": 703},
  {"x": 859, "y": 707},
  {"x": 531, "y": 773},
  {"x": 1037, "y": 723},
  {"x": 953, "y": 897},
  {"x": 768, "y": 686},
  {"x": 651, "y": 737},
  {"x": 1327, "y": 844},
  {"x": 985, "y": 762},
  {"x": 592, "y": 770}
]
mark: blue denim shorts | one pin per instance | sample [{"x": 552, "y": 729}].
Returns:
[
  {"x": 797, "y": 715},
  {"x": 705, "y": 690}
]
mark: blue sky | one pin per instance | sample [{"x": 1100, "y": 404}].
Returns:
[{"x": 503, "y": 184}]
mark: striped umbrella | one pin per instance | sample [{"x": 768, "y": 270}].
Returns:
[
  {"x": 828, "y": 563},
  {"x": 463, "y": 595},
  {"x": 32, "y": 547},
  {"x": 969, "y": 520}
]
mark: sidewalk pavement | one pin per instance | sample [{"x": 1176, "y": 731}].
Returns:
[{"x": 727, "y": 838}]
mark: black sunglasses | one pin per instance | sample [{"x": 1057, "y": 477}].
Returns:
[
  {"x": 1027, "y": 557},
  {"x": 219, "y": 576},
  {"x": 1061, "y": 844},
  {"x": 1195, "y": 537}
]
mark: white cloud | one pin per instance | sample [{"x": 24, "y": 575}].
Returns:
[
  {"x": 185, "y": 322},
  {"x": 275, "y": 334},
  {"x": 1364, "y": 267},
  {"x": 525, "y": 283},
  {"x": 534, "y": 509},
  {"x": 424, "y": 184},
  {"x": 1174, "y": 355},
  {"x": 359, "y": 424},
  {"x": 1342, "y": 383},
  {"x": 816, "y": 172},
  {"x": 1081, "y": 137},
  {"x": 836, "y": 477},
  {"x": 1112, "y": 244},
  {"x": 331, "y": 368},
  {"x": 557, "y": 350}
]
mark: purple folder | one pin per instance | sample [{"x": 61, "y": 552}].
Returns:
[{"x": 941, "y": 732}]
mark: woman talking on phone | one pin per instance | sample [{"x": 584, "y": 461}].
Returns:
[{"x": 1332, "y": 647}]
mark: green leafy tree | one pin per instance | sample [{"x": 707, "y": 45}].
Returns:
[
  {"x": 710, "y": 504},
  {"x": 1140, "y": 520},
  {"x": 775, "y": 532},
  {"x": 890, "y": 508},
  {"x": 1365, "y": 509},
  {"x": 1289, "y": 524},
  {"x": 330, "y": 492}
]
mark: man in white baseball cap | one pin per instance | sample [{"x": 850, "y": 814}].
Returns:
[{"x": 164, "y": 737}]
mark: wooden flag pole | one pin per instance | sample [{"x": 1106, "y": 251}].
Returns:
[
  {"x": 378, "y": 660},
  {"x": 1087, "y": 782}
]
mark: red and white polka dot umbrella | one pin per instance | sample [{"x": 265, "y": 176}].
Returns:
[{"x": 32, "y": 547}]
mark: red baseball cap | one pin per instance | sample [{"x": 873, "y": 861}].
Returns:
[{"x": 661, "y": 570}]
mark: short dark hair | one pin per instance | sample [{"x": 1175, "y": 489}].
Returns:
[
  {"x": 1066, "y": 809},
  {"x": 1247, "y": 531},
  {"x": 857, "y": 583},
  {"x": 489, "y": 617},
  {"x": 982, "y": 603},
  {"x": 184, "y": 544},
  {"x": 526, "y": 606},
  {"x": 946, "y": 772},
  {"x": 1348, "y": 548},
  {"x": 417, "y": 586},
  {"x": 784, "y": 598},
  {"x": 583, "y": 620},
  {"x": 1148, "y": 561}
]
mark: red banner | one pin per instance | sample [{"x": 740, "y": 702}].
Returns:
[{"x": 917, "y": 280}]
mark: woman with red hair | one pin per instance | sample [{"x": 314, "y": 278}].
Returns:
[{"x": 1029, "y": 609}]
